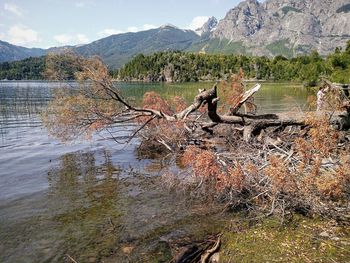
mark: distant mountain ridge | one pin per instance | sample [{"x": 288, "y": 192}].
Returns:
[
  {"x": 116, "y": 50},
  {"x": 9, "y": 52},
  {"x": 274, "y": 27}
]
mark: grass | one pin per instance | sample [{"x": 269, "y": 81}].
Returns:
[
  {"x": 287, "y": 9},
  {"x": 300, "y": 240},
  {"x": 344, "y": 9},
  {"x": 280, "y": 48},
  {"x": 219, "y": 46}
]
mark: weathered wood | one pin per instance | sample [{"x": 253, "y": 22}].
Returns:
[
  {"x": 244, "y": 97},
  {"x": 252, "y": 124}
]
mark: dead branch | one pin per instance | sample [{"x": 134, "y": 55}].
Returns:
[
  {"x": 244, "y": 97},
  {"x": 95, "y": 115},
  {"x": 208, "y": 253}
]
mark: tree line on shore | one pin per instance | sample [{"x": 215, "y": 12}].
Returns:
[{"x": 176, "y": 66}]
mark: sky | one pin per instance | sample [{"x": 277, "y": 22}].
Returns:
[{"x": 49, "y": 23}]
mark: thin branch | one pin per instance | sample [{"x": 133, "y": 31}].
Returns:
[{"x": 143, "y": 126}]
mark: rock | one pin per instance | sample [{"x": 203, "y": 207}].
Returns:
[
  {"x": 208, "y": 27},
  {"x": 324, "y": 234},
  {"x": 215, "y": 258},
  {"x": 293, "y": 26},
  {"x": 127, "y": 249}
]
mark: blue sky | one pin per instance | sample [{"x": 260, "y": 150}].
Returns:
[{"x": 47, "y": 23}]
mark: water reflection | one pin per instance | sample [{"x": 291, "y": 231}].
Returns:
[
  {"x": 271, "y": 98},
  {"x": 20, "y": 104},
  {"x": 92, "y": 215},
  {"x": 78, "y": 215},
  {"x": 82, "y": 200},
  {"x": 89, "y": 197}
]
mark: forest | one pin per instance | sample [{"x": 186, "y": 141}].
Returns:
[{"x": 177, "y": 66}]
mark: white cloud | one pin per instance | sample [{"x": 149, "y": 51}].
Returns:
[
  {"x": 132, "y": 29},
  {"x": 63, "y": 39},
  {"x": 137, "y": 29},
  {"x": 82, "y": 39},
  {"x": 22, "y": 35},
  {"x": 67, "y": 39},
  {"x": 112, "y": 31},
  {"x": 197, "y": 22},
  {"x": 12, "y": 8},
  {"x": 108, "y": 32},
  {"x": 148, "y": 26}
]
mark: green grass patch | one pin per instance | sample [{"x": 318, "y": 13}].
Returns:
[
  {"x": 287, "y": 9},
  {"x": 301, "y": 240},
  {"x": 280, "y": 48},
  {"x": 219, "y": 46},
  {"x": 344, "y": 9}
]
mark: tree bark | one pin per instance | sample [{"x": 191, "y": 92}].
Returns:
[{"x": 253, "y": 124}]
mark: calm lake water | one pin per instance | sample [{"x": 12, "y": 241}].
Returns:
[{"x": 95, "y": 201}]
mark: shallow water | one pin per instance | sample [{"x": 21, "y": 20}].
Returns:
[{"x": 94, "y": 200}]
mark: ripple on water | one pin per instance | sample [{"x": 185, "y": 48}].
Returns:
[{"x": 91, "y": 200}]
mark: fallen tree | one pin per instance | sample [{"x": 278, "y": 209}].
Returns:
[
  {"x": 97, "y": 104},
  {"x": 273, "y": 170}
]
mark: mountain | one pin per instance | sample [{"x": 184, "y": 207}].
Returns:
[
  {"x": 287, "y": 27},
  {"x": 116, "y": 50},
  {"x": 9, "y": 52},
  {"x": 208, "y": 27},
  {"x": 271, "y": 28}
]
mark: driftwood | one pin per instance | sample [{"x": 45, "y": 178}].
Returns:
[
  {"x": 104, "y": 107},
  {"x": 251, "y": 124},
  {"x": 198, "y": 251}
]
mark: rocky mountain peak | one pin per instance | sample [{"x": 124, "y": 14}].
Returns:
[
  {"x": 244, "y": 20},
  {"x": 294, "y": 25},
  {"x": 272, "y": 27},
  {"x": 208, "y": 26}
]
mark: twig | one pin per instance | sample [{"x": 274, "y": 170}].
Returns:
[
  {"x": 143, "y": 126},
  {"x": 205, "y": 257},
  {"x": 72, "y": 259},
  {"x": 165, "y": 144}
]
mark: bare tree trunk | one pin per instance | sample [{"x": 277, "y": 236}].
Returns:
[{"x": 253, "y": 124}]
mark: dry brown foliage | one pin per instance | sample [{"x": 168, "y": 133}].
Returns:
[
  {"x": 311, "y": 175},
  {"x": 231, "y": 93},
  {"x": 309, "y": 170},
  {"x": 153, "y": 100},
  {"x": 83, "y": 109}
]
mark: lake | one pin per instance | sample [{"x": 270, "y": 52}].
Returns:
[{"x": 96, "y": 201}]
